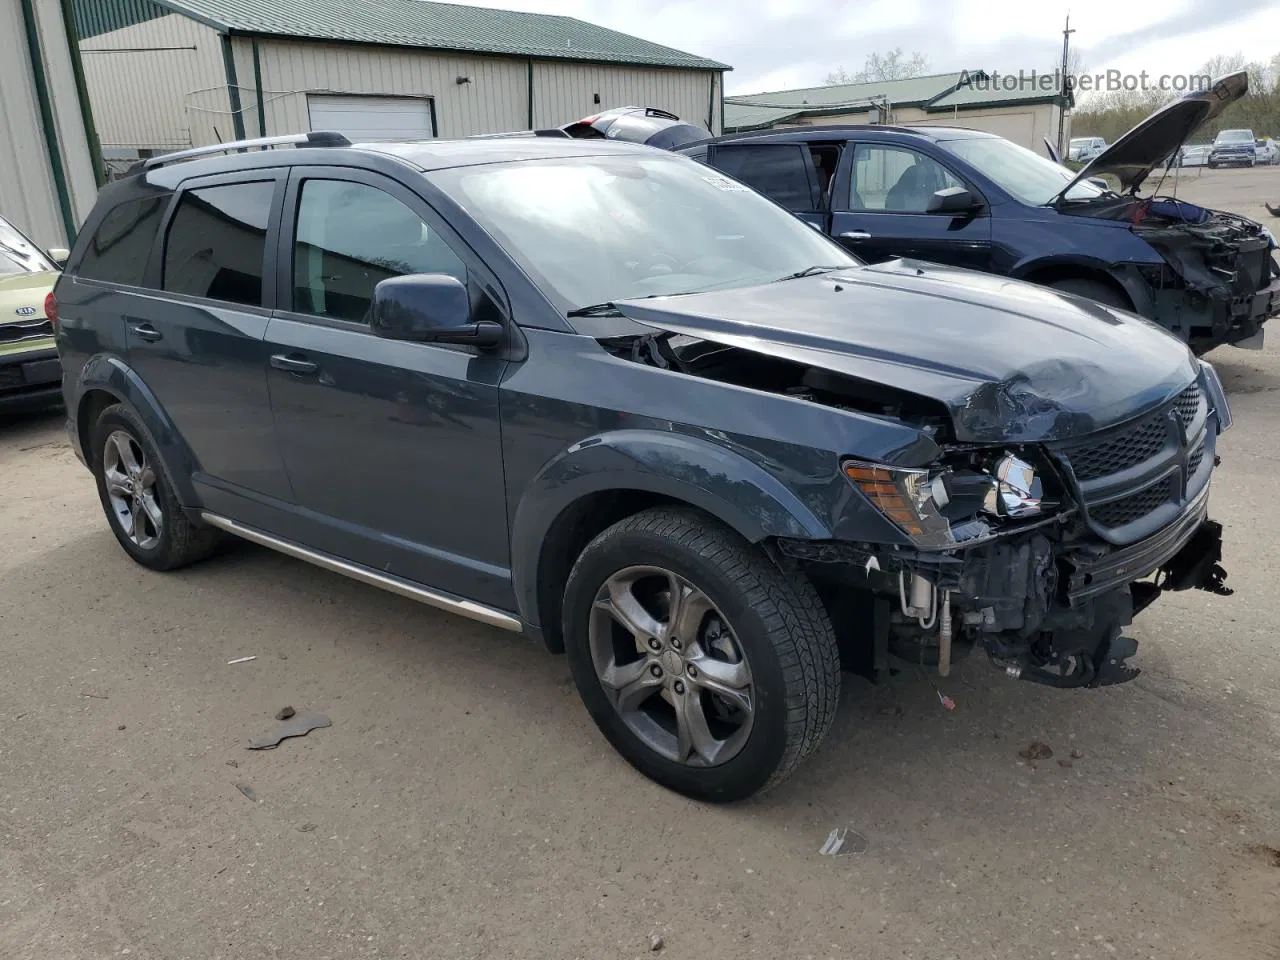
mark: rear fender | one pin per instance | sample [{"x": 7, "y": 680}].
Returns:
[{"x": 109, "y": 373}]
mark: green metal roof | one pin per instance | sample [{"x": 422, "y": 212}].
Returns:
[
  {"x": 444, "y": 26},
  {"x": 96, "y": 17},
  {"x": 1021, "y": 89},
  {"x": 914, "y": 91}
]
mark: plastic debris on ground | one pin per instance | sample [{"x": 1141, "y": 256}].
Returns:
[
  {"x": 297, "y": 725},
  {"x": 946, "y": 701},
  {"x": 240, "y": 660},
  {"x": 843, "y": 841},
  {"x": 248, "y": 791}
]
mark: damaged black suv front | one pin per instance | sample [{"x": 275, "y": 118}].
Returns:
[
  {"x": 1048, "y": 477},
  {"x": 1215, "y": 279}
]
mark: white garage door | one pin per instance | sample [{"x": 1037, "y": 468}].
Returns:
[{"x": 371, "y": 118}]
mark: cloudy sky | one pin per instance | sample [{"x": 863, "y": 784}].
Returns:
[{"x": 779, "y": 44}]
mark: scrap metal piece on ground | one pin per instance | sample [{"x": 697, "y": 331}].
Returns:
[
  {"x": 240, "y": 660},
  {"x": 298, "y": 725}
]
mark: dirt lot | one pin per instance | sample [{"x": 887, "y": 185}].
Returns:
[{"x": 462, "y": 804}]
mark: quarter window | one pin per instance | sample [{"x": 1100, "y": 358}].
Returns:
[
  {"x": 350, "y": 237},
  {"x": 119, "y": 249},
  {"x": 217, "y": 242},
  {"x": 896, "y": 180}
]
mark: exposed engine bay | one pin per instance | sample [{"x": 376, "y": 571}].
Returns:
[{"x": 1037, "y": 553}]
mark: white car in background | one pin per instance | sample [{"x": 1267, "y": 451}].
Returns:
[
  {"x": 1085, "y": 148},
  {"x": 1267, "y": 151}
]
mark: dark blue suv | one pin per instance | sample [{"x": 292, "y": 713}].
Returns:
[
  {"x": 970, "y": 199},
  {"x": 596, "y": 394}
]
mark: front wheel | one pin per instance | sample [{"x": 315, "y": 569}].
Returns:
[
  {"x": 707, "y": 667},
  {"x": 1094, "y": 290}
]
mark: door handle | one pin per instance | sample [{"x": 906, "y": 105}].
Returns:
[
  {"x": 145, "y": 331},
  {"x": 855, "y": 235},
  {"x": 293, "y": 363}
]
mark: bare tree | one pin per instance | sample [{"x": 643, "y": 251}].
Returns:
[{"x": 894, "y": 65}]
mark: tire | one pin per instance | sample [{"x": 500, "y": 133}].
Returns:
[
  {"x": 1211, "y": 165},
  {"x": 745, "y": 617},
  {"x": 1094, "y": 290},
  {"x": 125, "y": 461}
]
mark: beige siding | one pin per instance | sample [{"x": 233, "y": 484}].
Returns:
[
  {"x": 495, "y": 99},
  {"x": 145, "y": 96},
  {"x": 564, "y": 92},
  {"x": 1025, "y": 126},
  {"x": 28, "y": 194}
]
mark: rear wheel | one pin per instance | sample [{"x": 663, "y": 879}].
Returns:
[
  {"x": 707, "y": 667},
  {"x": 1094, "y": 290},
  {"x": 137, "y": 497}
]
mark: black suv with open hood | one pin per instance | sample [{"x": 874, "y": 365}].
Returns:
[
  {"x": 970, "y": 199},
  {"x": 600, "y": 395}
]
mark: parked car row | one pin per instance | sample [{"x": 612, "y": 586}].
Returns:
[{"x": 610, "y": 397}]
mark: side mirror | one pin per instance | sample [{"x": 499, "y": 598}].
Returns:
[
  {"x": 60, "y": 256},
  {"x": 955, "y": 201},
  {"x": 429, "y": 308}
]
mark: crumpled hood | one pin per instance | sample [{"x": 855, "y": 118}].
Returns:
[
  {"x": 1153, "y": 141},
  {"x": 1011, "y": 361}
]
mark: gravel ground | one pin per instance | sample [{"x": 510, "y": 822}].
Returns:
[{"x": 462, "y": 804}]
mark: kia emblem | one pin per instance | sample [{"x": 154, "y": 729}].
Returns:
[{"x": 25, "y": 311}]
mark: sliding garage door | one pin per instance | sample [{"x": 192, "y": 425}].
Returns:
[{"x": 372, "y": 118}]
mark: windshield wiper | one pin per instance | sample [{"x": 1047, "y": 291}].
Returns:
[
  {"x": 806, "y": 272},
  {"x": 606, "y": 309}
]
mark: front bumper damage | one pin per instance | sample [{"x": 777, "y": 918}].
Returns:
[{"x": 1046, "y": 608}]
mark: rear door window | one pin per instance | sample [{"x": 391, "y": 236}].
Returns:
[
  {"x": 781, "y": 171},
  {"x": 119, "y": 249},
  {"x": 217, "y": 242}
]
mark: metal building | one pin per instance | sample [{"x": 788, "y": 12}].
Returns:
[
  {"x": 47, "y": 176},
  {"x": 1024, "y": 108},
  {"x": 164, "y": 74}
]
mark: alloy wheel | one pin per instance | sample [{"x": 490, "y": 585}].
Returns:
[
  {"x": 671, "y": 666},
  {"x": 131, "y": 488}
]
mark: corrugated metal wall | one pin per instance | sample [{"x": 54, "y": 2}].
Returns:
[
  {"x": 496, "y": 98},
  {"x": 162, "y": 85},
  {"x": 153, "y": 83},
  {"x": 28, "y": 191},
  {"x": 564, "y": 92}
]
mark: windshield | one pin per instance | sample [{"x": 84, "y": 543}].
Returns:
[
  {"x": 1029, "y": 177},
  {"x": 18, "y": 254},
  {"x": 1235, "y": 136},
  {"x": 603, "y": 228}
]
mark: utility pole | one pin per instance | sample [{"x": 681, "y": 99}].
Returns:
[{"x": 1062, "y": 107}]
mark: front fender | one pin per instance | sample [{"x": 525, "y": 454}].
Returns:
[
  {"x": 110, "y": 373},
  {"x": 703, "y": 474}
]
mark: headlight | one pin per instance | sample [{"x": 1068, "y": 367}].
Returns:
[
  {"x": 1217, "y": 396},
  {"x": 943, "y": 506}
]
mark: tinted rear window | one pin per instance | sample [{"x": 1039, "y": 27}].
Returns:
[
  {"x": 120, "y": 247},
  {"x": 217, "y": 241},
  {"x": 779, "y": 171}
]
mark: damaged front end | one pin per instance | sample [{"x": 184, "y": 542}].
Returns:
[
  {"x": 1219, "y": 282},
  {"x": 1039, "y": 556}
]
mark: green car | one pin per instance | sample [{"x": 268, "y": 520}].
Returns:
[{"x": 30, "y": 374}]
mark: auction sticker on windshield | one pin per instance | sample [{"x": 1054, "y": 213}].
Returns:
[{"x": 724, "y": 183}]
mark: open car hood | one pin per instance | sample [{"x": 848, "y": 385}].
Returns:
[
  {"x": 1010, "y": 361},
  {"x": 1153, "y": 141}
]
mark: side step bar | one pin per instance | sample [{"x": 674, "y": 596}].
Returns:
[{"x": 384, "y": 581}]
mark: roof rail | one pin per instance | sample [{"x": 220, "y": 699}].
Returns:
[
  {"x": 552, "y": 132},
  {"x": 316, "y": 138}
]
